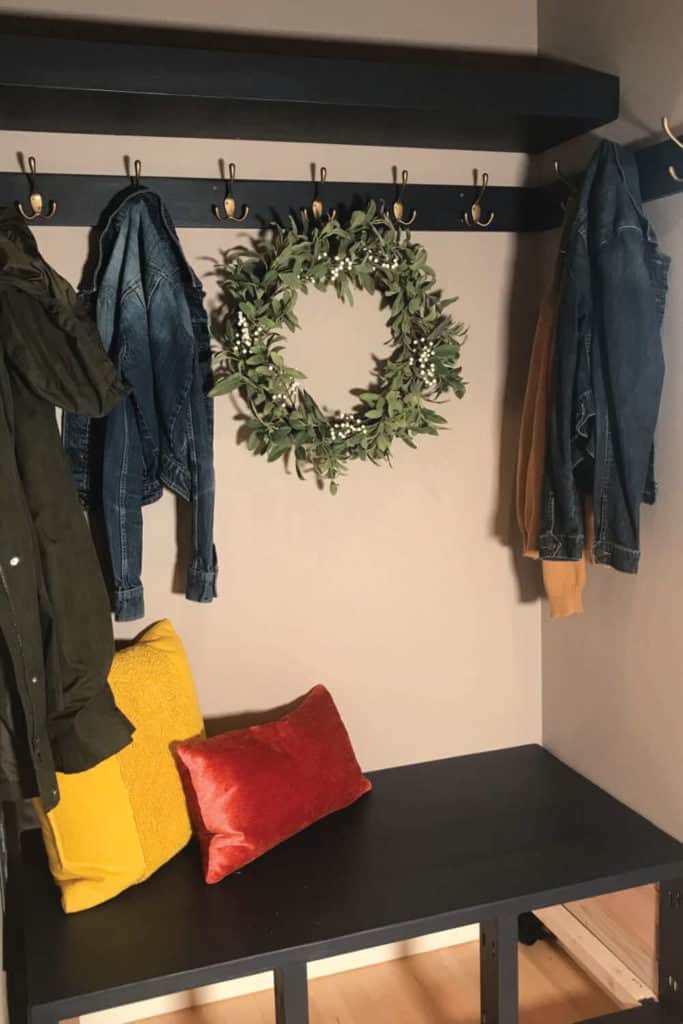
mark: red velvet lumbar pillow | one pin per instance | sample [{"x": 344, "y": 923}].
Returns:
[{"x": 250, "y": 789}]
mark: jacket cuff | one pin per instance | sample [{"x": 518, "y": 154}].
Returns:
[
  {"x": 561, "y": 548},
  {"x": 619, "y": 557},
  {"x": 201, "y": 584},
  {"x": 129, "y": 604},
  {"x": 96, "y": 731}
]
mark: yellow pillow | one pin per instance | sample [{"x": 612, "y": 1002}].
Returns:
[{"x": 117, "y": 823}]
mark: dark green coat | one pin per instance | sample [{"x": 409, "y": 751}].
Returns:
[{"x": 57, "y": 712}]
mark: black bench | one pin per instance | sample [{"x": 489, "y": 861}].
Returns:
[{"x": 481, "y": 838}]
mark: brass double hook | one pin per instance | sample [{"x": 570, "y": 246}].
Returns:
[
  {"x": 398, "y": 208},
  {"x": 317, "y": 205},
  {"x": 38, "y": 206},
  {"x": 473, "y": 217},
  {"x": 667, "y": 128},
  {"x": 229, "y": 204}
]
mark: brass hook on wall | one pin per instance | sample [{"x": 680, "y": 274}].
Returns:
[
  {"x": 398, "y": 208},
  {"x": 229, "y": 203},
  {"x": 317, "y": 206},
  {"x": 36, "y": 202},
  {"x": 137, "y": 173},
  {"x": 473, "y": 218},
  {"x": 667, "y": 128}
]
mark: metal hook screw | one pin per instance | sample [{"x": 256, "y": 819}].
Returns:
[
  {"x": 36, "y": 202},
  {"x": 473, "y": 218},
  {"x": 398, "y": 208},
  {"x": 230, "y": 203}
]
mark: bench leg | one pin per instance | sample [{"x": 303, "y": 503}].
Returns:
[
  {"x": 498, "y": 978},
  {"x": 291, "y": 994},
  {"x": 670, "y": 947}
]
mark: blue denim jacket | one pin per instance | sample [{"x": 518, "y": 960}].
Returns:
[
  {"x": 149, "y": 309},
  {"x": 609, "y": 369}
]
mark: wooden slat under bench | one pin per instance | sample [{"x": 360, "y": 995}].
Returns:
[{"x": 437, "y": 845}]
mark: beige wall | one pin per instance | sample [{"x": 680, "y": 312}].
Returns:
[
  {"x": 612, "y": 692},
  {"x": 379, "y": 592},
  {"x": 486, "y": 24},
  {"x": 640, "y": 42},
  {"x": 390, "y": 591}
]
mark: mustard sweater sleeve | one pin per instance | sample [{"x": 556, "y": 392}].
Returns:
[{"x": 564, "y": 585}]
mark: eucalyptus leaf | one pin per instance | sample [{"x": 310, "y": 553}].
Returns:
[
  {"x": 225, "y": 385},
  {"x": 368, "y": 282},
  {"x": 277, "y": 451}
]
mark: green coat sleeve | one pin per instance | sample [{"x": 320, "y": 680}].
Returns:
[{"x": 56, "y": 350}]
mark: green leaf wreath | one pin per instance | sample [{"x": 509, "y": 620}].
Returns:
[{"x": 259, "y": 294}]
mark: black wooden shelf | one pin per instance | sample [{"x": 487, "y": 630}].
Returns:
[
  {"x": 86, "y": 78},
  {"x": 653, "y": 169},
  {"x": 106, "y": 81}
]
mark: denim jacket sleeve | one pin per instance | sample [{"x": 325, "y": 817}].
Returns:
[
  {"x": 130, "y": 448},
  {"x": 629, "y": 373},
  {"x": 203, "y": 568},
  {"x": 179, "y": 334},
  {"x": 122, "y": 486}
]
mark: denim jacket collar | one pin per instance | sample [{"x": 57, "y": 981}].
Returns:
[{"x": 122, "y": 206}]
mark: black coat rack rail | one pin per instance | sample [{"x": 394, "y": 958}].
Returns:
[{"x": 81, "y": 199}]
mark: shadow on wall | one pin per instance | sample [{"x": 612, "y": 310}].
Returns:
[
  {"x": 98, "y": 532},
  {"x": 183, "y": 538},
  {"x": 245, "y": 719},
  {"x": 527, "y": 281}
]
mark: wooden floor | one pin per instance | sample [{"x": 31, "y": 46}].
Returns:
[{"x": 433, "y": 988}]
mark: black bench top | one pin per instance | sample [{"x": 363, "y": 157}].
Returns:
[{"x": 434, "y": 846}]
